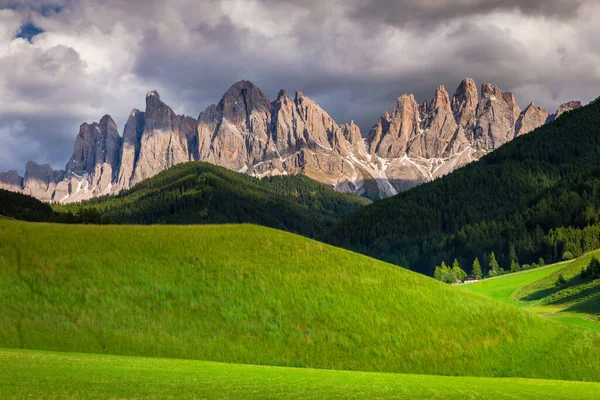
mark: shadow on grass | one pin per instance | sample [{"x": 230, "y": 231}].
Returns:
[
  {"x": 570, "y": 294},
  {"x": 588, "y": 306},
  {"x": 539, "y": 295}
]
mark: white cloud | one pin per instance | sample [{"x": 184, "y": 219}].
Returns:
[{"x": 354, "y": 57}]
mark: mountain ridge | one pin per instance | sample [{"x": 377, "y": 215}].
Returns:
[{"x": 246, "y": 132}]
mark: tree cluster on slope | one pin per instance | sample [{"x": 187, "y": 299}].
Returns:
[{"x": 537, "y": 196}]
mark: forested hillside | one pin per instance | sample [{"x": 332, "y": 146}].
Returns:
[
  {"x": 537, "y": 196},
  {"x": 23, "y": 207},
  {"x": 201, "y": 193}
]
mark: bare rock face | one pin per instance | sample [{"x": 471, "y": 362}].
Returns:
[
  {"x": 130, "y": 151},
  {"x": 497, "y": 115},
  {"x": 390, "y": 136},
  {"x": 464, "y": 108},
  {"x": 437, "y": 128},
  {"x": 245, "y": 132},
  {"x": 96, "y": 157},
  {"x": 234, "y": 133},
  {"x": 11, "y": 180},
  {"x": 164, "y": 141},
  {"x": 41, "y": 180},
  {"x": 464, "y": 104},
  {"x": 566, "y": 107},
  {"x": 531, "y": 118},
  {"x": 96, "y": 144}
]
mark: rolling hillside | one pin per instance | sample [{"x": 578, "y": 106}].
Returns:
[
  {"x": 503, "y": 287},
  {"x": 93, "y": 376},
  {"x": 201, "y": 193},
  {"x": 247, "y": 294},
  {"x": 575, "y": 302},
  {"x": 515, "y": 202}
]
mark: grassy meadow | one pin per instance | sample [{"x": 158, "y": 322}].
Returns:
[
  {"x": 503, "y": 287},
  {"x": 90, "y": 376},
  {"x": 577, "y": 299},
  {"x": 253, "y": 295},
  {"x": 576, "y": 303}
]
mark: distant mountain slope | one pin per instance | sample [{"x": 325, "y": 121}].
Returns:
[
  {"x": 23, "y": 207},
  {"x": 514, "y": 202},
  {"x": 249, "y": 294},
  {"x": 201, "y": 193}
]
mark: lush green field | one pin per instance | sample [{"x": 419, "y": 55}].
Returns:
[
  {"x": 502, "y": 287},
  {"x": 48, "y": 375},
  {"x": 578, "y": 298},
  {"x": 576, "y": 303},
  {"x": 248, "y": 294}
]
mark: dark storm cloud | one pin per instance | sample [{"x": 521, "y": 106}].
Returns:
[
  {"x": 427, "y": 12},
  {"x": 354, "y": 57}
]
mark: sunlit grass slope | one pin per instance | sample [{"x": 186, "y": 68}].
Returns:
[
  {"x": 578, "y": 298},
  {"x": 502, "y": 287},
  {"x": 576, "y": 303},
  {"x": 48, "y": 375},
  {"x": 248, "y": 294}
]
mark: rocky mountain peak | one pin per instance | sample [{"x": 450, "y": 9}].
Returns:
[
  {"x": 488, "y": 90},
  {"x": 464, "y": 103},
  {"x": 11, "y": 180},
  {"x": 165, "y": 140},
  {"x": 441, "y": 100},
  {"x": 531, "y": 118},
  {"x": 569, "y": 106},
  {"x": 282, "y": 95},
  {"x": 40, "y": 180},
  {"x": 152, "y": 94},
  {"x": 246, "y": 132},
  {"x": 240, "y": 100}
]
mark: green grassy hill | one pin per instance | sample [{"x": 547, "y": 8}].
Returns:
[
  {"x": 61, "y": 375},
  {"x": 516, "y": 201},
  {"x": 248, "y": 294},
  {"x": 503, "y": 287},
  {"x": 577, "y": 302},
  {"x": 201, "y": 193}
]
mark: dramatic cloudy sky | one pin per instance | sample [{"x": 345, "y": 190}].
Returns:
[{"x": 63, "y": 62}]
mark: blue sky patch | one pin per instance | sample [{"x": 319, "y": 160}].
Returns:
[{"x": 28, "y": 31}]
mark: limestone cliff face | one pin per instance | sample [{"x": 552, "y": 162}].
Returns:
[
  {"x": 130, "y": 151},
  {"x": 496, "y": 118},
  {"x": 11, "y": 180},
  {"x": 566, "y": 107},
  {"x": 164, "y": 141},
  {"x": 245, "y": 132},
  {"x": 40, "y": 180},
  {"x": 531, "y": 118},
  {"x": 235, "y": 132}
]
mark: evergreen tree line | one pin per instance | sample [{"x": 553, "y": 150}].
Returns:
[
  {"x": 536, "y": 197},
  {"x": 456, "y": 273},
  {"x": 201, "y": 193}
]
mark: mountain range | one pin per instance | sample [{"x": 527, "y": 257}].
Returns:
[{"x": 247, "y": 133}]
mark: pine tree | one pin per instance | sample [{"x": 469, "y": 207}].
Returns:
[
  {"x": 494, "y": 267},
  {"x": 476, "y": 271},
  {"x": 514, "y": 266},
  {"x": 457, "y": 270}
]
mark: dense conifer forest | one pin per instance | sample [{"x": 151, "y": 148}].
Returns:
[
  {"x": 535, "y": 197},
  {"x": 201, "y": 193}
]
